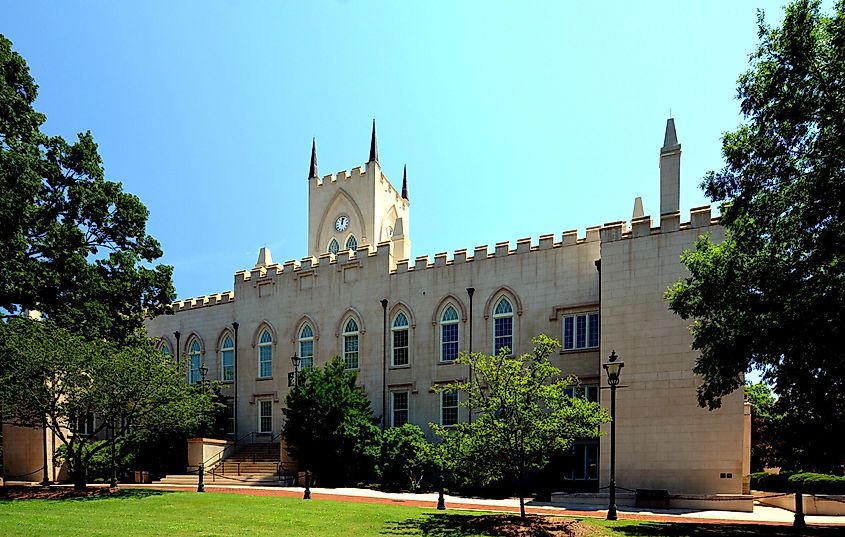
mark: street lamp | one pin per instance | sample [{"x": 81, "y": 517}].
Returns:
[
  {"x": 295, "y": 361},
  {"x": 612, "y": 368}
]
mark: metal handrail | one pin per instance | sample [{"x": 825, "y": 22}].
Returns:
[{"x": 220, "y": 455}]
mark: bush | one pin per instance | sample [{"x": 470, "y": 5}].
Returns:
[
  {"x": 99, "y": 467},
  {"x": 811, "y": 483},
  {"x": 407, "y": 458}
]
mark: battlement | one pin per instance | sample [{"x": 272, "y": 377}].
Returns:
[
  {"x": 700, "y": 217},
  {"x": 341, "y": 176},
  {"x": 225, "y": 297}
]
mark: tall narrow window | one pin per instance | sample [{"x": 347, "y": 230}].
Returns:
[
  {"x": 352, "y": 243},
  {"x": 448, "y": 408},
  {"x": 503, "y": 326},
  {"x": 449, "y": 335},
  {"x": 350, "y": 344},
  {"x": 400, "y": 339},
  {"x": 230, "y": 417},
  {"x": 227, "y": 360},
  {"x": 195, "y": 356},
  {"x": 165, "y": 350},
  {"x": 399, "y": 402},
  {"x": 334, "y": 247},
  {"x": 306, "y": 347},
  {"x": 265, "y": 355},
  {"x": 265, "y": 416}
]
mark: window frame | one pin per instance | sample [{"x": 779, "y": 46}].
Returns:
[
  {"x": 224, "y": 349},
  {"x": 346, "y": 336},
  {"x": 354, "y": 240},
  {"x": 456, "y": 407},
  {"x": 262, "y": 360},
  {"x": 262, "y": 416},
  {"x": 394, "y": 410},
  {"x": 394, "y": 332},
  {"x": 506, "y": 315},
  {"x": 336, "y": 245},
  {"x": 194, "y": 355},
  {"x": 456, "y": 322},
  {"x": 306, "y": 361},
  {"x": 570, "y": 336}
]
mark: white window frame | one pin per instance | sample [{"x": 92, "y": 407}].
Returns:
[
  {"x": 86, "y": 425},
  {"x": 354, "y": 246},
  {"x": 590, "y": 392},
  {"x": 592, "y": 326},
  {"x": 394, "y": 410},
  {"x": 261, "y": 415},
  {"x": 503, "y": 316},
  {"x": 227, "y": 346},
  {"x": 306, "y": 360},
  {"x": 349, "y": 355},
  {"x": 269, "y": 359},
  {"x": 194, "y": 361},
  {"x": 333, "y": 247},
  {"x": 448, "y": 323},
  {"x": 444, "y": 407},
  {"x": 394, "y": 330}
]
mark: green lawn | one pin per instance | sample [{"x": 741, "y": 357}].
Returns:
[{"x": 141, "y": 512}]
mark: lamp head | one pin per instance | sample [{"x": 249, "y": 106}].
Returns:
[
  {"x": 295, "y": 360},
  {"x": 613, "y": 367}
]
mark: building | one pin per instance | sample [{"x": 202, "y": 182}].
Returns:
[{"x": 596, "y": 292}]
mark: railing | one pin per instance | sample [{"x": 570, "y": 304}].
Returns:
[{"x": 220, "y": 465}]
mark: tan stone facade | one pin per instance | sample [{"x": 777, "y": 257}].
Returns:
[{"x": 611, "y": 277}]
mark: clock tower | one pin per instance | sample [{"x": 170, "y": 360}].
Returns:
[{"x": 361, "y": 207}]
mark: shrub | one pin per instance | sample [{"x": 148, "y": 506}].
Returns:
[
  {"x": 811, "y": 483},
  {"x": 407, "y": 457}
]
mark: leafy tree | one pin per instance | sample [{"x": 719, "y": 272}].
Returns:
[
  {"x": 329, "y": 425},
  {"x": 72, "y": 244},
  {"x": 407, "y": 457},
  {"x": 767, "y": 447},
  {"x": 521, "y": 415},
  {"x": 47, "y": 371},
  {"x": 771, "y": 295}
]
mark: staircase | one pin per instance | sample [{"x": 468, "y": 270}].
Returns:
[{"x": 252, "y": 465}]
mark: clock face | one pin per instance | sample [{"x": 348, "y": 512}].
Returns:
[{"x": 341, "y": 223}]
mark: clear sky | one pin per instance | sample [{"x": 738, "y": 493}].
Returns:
[{"x": 515, "y": 119}]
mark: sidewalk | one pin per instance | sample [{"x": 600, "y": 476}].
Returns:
[{"x": 761, "y": 515}]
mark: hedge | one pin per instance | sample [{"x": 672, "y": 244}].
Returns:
[{"x": 809, "y": 482}]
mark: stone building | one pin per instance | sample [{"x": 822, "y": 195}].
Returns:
[{"x": 400, "y": 323}]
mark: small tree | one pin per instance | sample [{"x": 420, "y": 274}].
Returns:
[
  {"x": 329, "y": 425},
  {"x": 767, "y": 450},
  {"x": 521, "y": 415},
  {"x": 407, "y": 457},
  {"x": 46, "y": 371}
]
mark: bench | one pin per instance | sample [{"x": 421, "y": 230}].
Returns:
[{"x": 658, "y": 498}]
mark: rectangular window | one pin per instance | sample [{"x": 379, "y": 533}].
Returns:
[
  {"x": 449, "y": 340},
  {"x": 584, "y": 462},
  {"x": 581, "y": 331},
  {"x": 400, "y": 408},
  {"x": 503, "y": 337},
  {"x": 448, "y": 408},
  {"x": 265, "y": 361},
  {"x": 227, "y": 365},
  {"x": 590, "y": 392},
  {"x": 84, "y": 425},
  {"x": 350, "y": 351},
  {"x": 306, "y": 352},
  {"x": 400, "y": 347},
  {"x": 230, "y": 417},
  {"x": 265, "y": 416}
]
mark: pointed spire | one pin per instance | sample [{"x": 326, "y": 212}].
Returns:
[
  {"x": 638, "y": 208},
  {"x": 265, "y": 258},
  {"x": 670, "y": 139},
  {"x": 373, "y": 145},
  {"x": 405, "y": 182},
  {"x": 312, "y": 171}
]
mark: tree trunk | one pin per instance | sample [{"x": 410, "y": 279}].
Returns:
[
  {"x": 77, "y": 472},
  {"x": 521, "y": 493}
]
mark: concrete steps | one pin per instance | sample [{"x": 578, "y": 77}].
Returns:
[{"x": 254, "y": 464}]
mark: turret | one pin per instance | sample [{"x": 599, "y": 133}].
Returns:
[{"x": 670, "y": 171}]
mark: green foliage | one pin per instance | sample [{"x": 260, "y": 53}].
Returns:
[
  {"x": 771, "y": 482},
  {"x": 47, "y": 371},
  {"x": 329, "y": 426},
  {"x": 521, "y": 416},
  {"x": 766, "y": 428},
  {"x": 100, "y": 457},
  {"x": 770, "y": 296},
  {"x": 812, "y": 483},
  {"x": 407, "y": 457},
  {"x": 73, "y": 245}
]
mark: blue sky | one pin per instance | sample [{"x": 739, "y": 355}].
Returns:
[{"x": 515, "y": 119}]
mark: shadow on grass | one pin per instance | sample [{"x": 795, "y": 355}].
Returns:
[
  {"x": 12, "y": 494},
  {"x": 685, "y": 529},
  {"x": 465, "y": 525}
]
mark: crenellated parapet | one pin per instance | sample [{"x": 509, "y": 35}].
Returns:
[
  {"x": 204, "y": 301},
  {"x": 700, "y": 217}
]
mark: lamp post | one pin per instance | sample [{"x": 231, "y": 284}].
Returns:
[
  {"x": 612, "y": 368},
  {"x": 470, "y": 292},
  {"x": 295, "y": 360}
]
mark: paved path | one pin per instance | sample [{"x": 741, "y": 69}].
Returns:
[{"x": 761, "y": 515}]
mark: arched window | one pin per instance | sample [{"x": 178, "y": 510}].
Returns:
[
  {"x": 449, "y": 334},
  {"x": 195, "y": 356},
  {"x": 306, "y": 347},
  {"x": 503, "y": 326},
  {"x": 227, "y": 360},
  {"x": 265, "y": 355},
  {"x": 165, "y": 349},
  {"x": 400, "y": 340},
  {"x": 350, "y": 344},
  {"x": 352, "y": 243},
  {"x": 334, "y": 247}
]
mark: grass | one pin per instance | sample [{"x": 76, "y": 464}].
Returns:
[{"x": 146, "y": 512}]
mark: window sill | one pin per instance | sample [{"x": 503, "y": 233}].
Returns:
[
  {"x": 446, "y": 362},
  {"x": 227, "y": 382},
  {"x": 404, "y": 366},
  {"x": 263, "y": 378},
  {"x": 579, "y": 351}
]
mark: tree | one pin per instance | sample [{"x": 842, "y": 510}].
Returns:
[
  {"x": 329, "y": 425},
  {"x": 72, "y": 244},
  {"x": 521, "y": 415},
  {"x": 407, "y": 457},
  {"x": 770, "y": 296},
  {"x": 89, "y": 389},
  {"x": 767, "y": 446}
]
